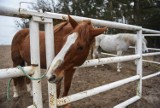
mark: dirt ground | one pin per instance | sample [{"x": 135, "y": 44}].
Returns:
[{"x": 88, "y": 78}]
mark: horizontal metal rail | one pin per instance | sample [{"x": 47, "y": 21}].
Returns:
[
  {"x": 149, "y": 61},
  {"x": 101, "y": 61},
  {"x": 151, "y": 54},
  {"x": 109, "y": 54},
  {"x": 15, "y": 72},
  {"x": 127, "y": 102},
  {"x": 94, "y": 91},
  {"x": 23, "y": 13},
  {"x": 100, "y": 22},
  {"x": 94, "y": 21},
  {"x": 151, "y": 35},
  {"x": 28, "y": 13},
  {"x": 155, "y": 49},
  {"x": 150, "y": 76},
  {"x": 150, "y": 31}
]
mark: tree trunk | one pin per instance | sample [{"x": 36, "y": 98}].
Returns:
[{"x": 137, "y": 13}]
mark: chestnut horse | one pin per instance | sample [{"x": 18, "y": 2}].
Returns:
[{"x": 84, "y": 34}]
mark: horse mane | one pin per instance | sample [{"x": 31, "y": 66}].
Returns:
[
  {"x": 128, "y": 37},
  {"x": 145, "y": 40},
  {"x": 58, "y": 27}
]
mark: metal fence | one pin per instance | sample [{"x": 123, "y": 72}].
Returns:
[{"x": 46, "y": 18}]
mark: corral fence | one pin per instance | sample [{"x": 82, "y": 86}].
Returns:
[{"x": 46, "y": 18}]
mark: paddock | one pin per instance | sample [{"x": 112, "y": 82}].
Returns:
[{"x": 136, "y": 75}]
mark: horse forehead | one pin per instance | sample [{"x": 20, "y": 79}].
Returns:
[
  {"x": 83, "y": 30},
  {"x": 85, "y": 24},
  {"x": 71, "y": 55},
  {"x": 70, "y": 39}
]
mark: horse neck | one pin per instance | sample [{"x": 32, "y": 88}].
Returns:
[
  {"x": 135, "y": 39},
  {"x": 101, "y": 36},
  {"x": 130, "y": 38}
]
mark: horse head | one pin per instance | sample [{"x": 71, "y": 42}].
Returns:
[
  {"x": 75, "y": 49},
  {"x": 144, "y": 45}
]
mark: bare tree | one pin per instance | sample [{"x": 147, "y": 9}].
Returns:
[{"x": 44, "y": 5}]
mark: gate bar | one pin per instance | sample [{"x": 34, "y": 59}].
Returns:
[
  {"x": 94, "y": 91},
  {"x": 151, "y": 35},
  {"x": 139, "y": 62},
  {"x": 23, "y": 13},
  {"x": 149, "y": 61},
  {"x": 49, "y": 41},
  {"x": 15, "y": 72},
  {"x": 156, "y": 49},
  {"x": 35, "y": 60},
  {"x": 151, "y": 54},
  {"x": 127, "y": 102},
  {"x": 101, "y": 61},
  {"x": 151, "y": 75},
  {"x": 150, "y": 31}
]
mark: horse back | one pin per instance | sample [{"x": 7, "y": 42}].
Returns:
[
  {"x": 20, "y": 36},
  {"x": 16, "y": 46},
  {"x": 20, "y": 47}
]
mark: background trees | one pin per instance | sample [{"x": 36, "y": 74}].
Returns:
[{"x": 145, "y": 13}]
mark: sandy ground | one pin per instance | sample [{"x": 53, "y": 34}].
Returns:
[{"x": 88, "y": 78}]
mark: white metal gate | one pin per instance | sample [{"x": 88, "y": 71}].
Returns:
[{"x": 46, "y": 18}]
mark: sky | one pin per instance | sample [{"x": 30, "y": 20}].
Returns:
[{"x": 7, "y": 24}]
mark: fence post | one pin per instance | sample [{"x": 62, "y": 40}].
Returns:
[
  {"x": 139, "y": 61},
  {"x": 35, "y": 60},
  {"x": 49, "y": 41}
]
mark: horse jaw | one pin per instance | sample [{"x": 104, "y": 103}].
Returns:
[{"x": 57, "y": 61}]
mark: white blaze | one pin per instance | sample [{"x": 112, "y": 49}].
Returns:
[{"x": 60, "y": 56}]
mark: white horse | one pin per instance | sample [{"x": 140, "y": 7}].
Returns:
[{"x": 116, "y": 43}]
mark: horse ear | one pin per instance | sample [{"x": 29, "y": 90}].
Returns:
[
  {"x": 72, "y": 21},
  {"x": 97, "y": 31}
]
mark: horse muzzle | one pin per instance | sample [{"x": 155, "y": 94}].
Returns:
[
  {"x": 55, "y": 79},
  {"x": 145, "y": 51}
]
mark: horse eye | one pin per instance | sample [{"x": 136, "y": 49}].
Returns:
[{"x": 80, "y": 48}]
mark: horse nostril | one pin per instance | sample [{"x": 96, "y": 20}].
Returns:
[{"x": 52, "y": 78}]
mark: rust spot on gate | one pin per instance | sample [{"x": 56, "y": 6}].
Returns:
[{"x": 51, "y": 102}]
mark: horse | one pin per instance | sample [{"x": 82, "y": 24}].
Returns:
[
  {"x": 116, "y": 43},
  {"x": 75, "y": 55}
]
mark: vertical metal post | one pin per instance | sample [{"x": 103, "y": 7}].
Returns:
[
  {"x": 139, "y": 62},
  {"x": 49, "y": 41},
  {"x": 35, "y": 60}
]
